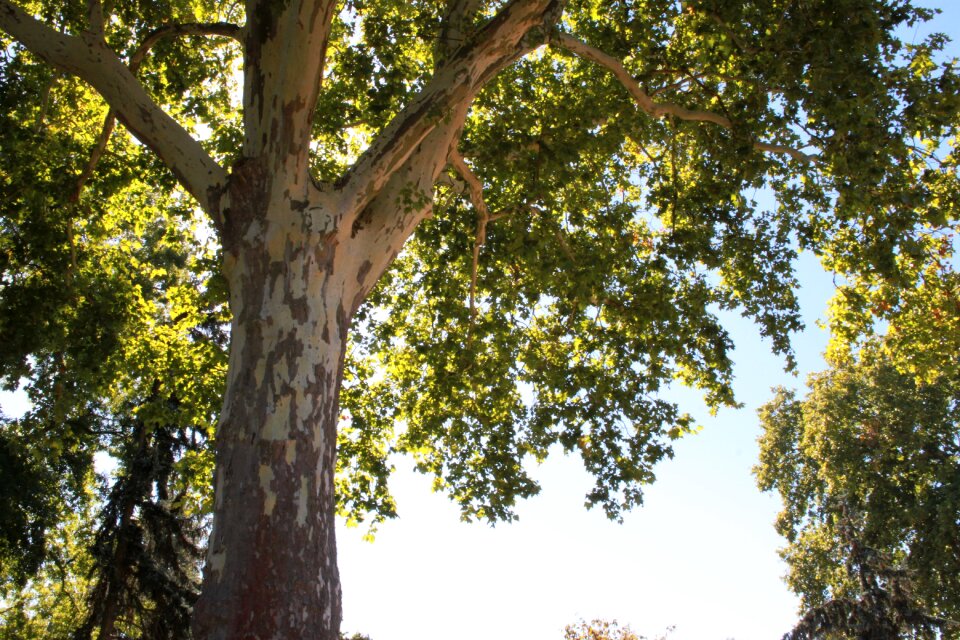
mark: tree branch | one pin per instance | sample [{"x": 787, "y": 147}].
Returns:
[
  {"x": 285, "y": 49},
  {"x": 95, "y": 16},
  {"x": 96, "y": 153},
  {"x": 660, "y": 109},
  {"x": 518, "y": 28},
  {"x": 225, "y": 29},
  {"x": 727, "y": 29},
  {"x": 45, "y": 103},
  {"x": 213, "y": 29},
  {"x": 475, "y": 191},
  {"x": 453, "y": 30},
  {"x": 88, "y": 58}
]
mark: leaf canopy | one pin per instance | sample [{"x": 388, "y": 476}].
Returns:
[{"x": 621, "y": 206}]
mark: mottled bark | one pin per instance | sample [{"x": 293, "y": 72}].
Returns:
[
  {"x": 299, "y": 258},
  {"x": 272, "y": 568}
]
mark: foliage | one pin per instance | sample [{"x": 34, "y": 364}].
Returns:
[
  {"x": 52, "y": 601},
  {"x": 616, "y": 236},
  {"x": 146, "y": 552},
  {"x": 545, "y": 313},
  {"x": 112, "y": 320},
  {"x": 868, "y": 466},
  {"x": 604, "y": 630},
  {"x": 882, "y": 607}
]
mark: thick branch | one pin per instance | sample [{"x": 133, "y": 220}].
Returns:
[
  {"x": 453, "y": 32},
  {"x": 517, "y": 29},
  {"x": 651, "y": 106},
  {"x": 89, "y": 59},
  {"x": 155, "y": 36},
  {"x": 387, "y": 221},
  {"x": 95, "y": 17},
  {"x": 285, "y": 47}
]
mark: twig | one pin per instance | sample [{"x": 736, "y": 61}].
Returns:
[
  {"x": 109, "y": 124},
  {"x": 45, "y": 102},
  {"x": 557, "y": 233}
]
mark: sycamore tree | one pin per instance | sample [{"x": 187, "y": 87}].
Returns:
[{"x": 529, "y": 213}]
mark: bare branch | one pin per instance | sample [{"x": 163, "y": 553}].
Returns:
[
  {"x": 95, "y": 154},
  {"x": 497, "y": 44},
  {"x": 475, "y": 191},
  {"x": 88, "y": 58},
  {"x": 285, "y": 53},
  {"x": 653, "y": 107},
  {"x": 790, "y": 151},
  {"x": 225, "y": 29},
  {"x": 474, "y": 187},
  {"x": 214, "y": 29},
  {"x": 641, "y": 97}
]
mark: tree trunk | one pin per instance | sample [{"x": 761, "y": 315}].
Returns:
[{"x": 271, "y": 571}]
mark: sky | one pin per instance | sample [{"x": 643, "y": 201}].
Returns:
[{"x": 700, "y": 555}]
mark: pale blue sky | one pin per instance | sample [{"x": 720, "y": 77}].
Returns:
[{"x": 700, "y": 554}]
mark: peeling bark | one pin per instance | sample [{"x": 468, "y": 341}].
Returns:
[
  {"x": 271, "y": 570},
  {"x": 299, "y": 261}
]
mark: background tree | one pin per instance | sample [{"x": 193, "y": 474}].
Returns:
[
  {"x": 604, "y": 630},
  {"x": 581, "y": 177},
  {"x": 882, "y": 603},
  {"x": 867, "y": 466},
  {"x": 113, "y": 319}
]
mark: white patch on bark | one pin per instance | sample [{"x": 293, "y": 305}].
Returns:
[
  {"x": 313, "y": 287},
  {"x": 269, "y": 495},
  {"x": 298, "y": 286},
  {"x": 302, "y": 500},
  {"x": 253, "y": 234},
  {"x": 327, "y": 613},
  {"x": 277, "y": 425},
  {"x": 276, "y": 310},
  {"x": 259, "y": 372},
  {"x": 305, "y": 403},
  {"x": 217, "y": 561},
  {"x": 290, "y": 454}
]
